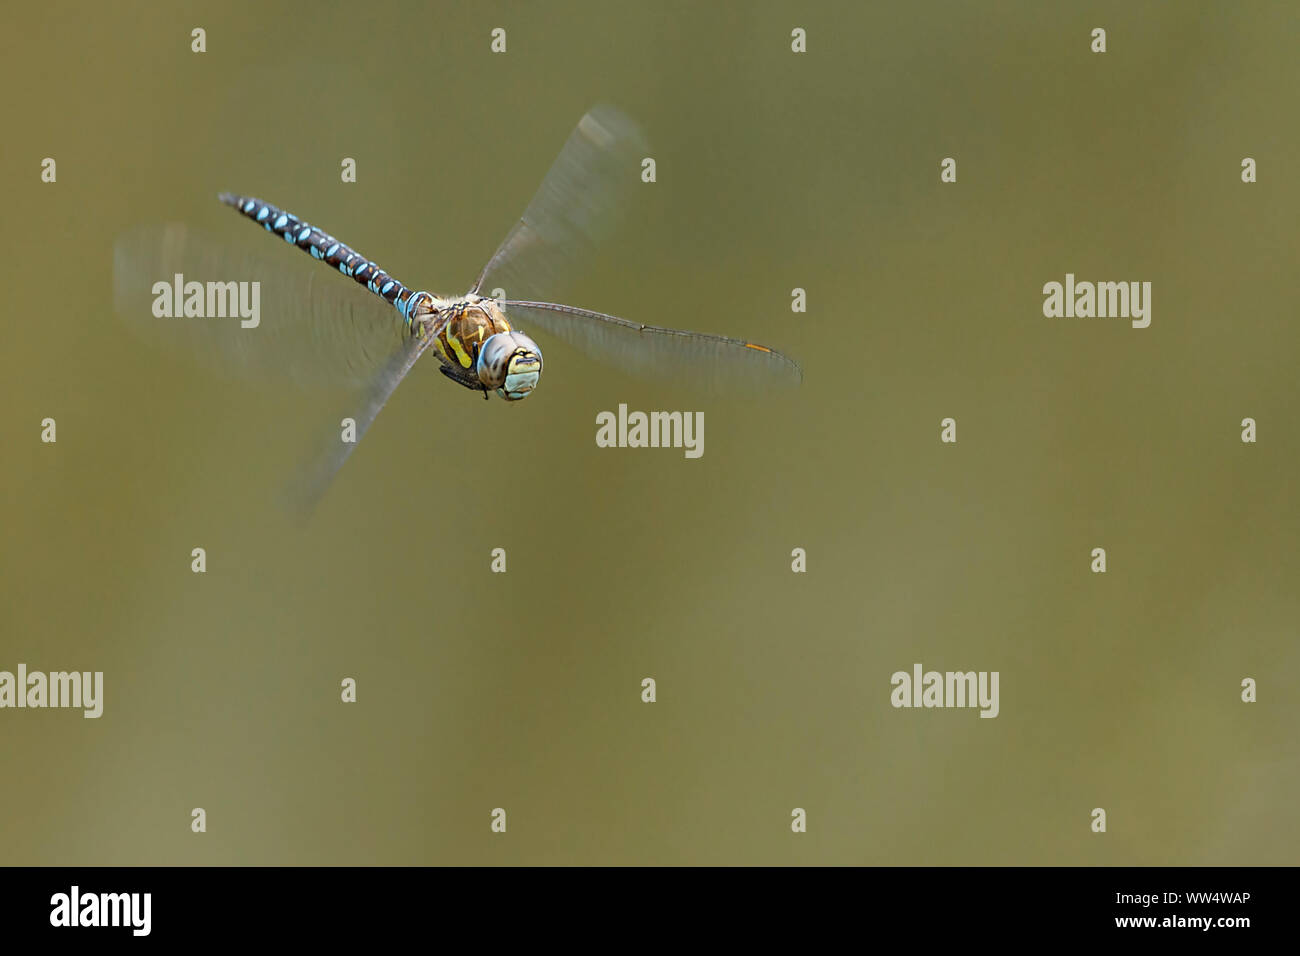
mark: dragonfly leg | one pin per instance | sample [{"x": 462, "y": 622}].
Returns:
[{"x": 465, "y": 378}]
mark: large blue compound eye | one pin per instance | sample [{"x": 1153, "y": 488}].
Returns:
[{"x": 511, "y": 363}]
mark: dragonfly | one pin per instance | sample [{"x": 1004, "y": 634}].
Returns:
[{"x": 315, "y": 329}]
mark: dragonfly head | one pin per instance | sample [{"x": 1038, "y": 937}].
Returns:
[{"x": 511, "y": 363}]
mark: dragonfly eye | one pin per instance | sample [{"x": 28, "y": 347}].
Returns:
[{"x": 511, "y": 363}]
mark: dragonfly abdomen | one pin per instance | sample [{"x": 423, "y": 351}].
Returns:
[{"x": 321, "y": 245}]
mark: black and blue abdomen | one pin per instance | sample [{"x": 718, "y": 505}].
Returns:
[{"x": 321, "y": 245}]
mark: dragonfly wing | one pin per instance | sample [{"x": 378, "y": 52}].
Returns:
[
  {"x": 712, "y": 363},
  {"x": 577, "y": 206},
  {"x": 316, "y": 473},
  {"x": 315, "y": 327}
]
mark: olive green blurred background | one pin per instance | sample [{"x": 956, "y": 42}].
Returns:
[{"x": 521, "y": 690}]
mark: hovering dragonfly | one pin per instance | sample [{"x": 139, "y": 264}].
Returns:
[{"x": 313, "y": 331}]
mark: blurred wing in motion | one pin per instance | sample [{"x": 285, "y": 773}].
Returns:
[
  {"x": 712, "y": 363},
  {"x": 315, "y": 327},
  {"x": 574, "y": 210},
  {"x": 314, "y": 477}
]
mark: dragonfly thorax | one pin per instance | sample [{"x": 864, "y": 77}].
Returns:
[{"x": 479, "y": 349}]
